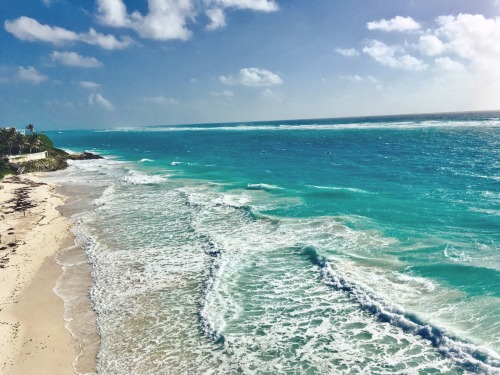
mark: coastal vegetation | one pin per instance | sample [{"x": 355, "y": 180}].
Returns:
[{"x": 13, "y": 142}]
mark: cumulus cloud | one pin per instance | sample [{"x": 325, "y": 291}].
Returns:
[
  {"x": 169, "y": 19},
  {"x": 392, "y": 56},
  {"x": 350, "y": 52},
  {"x": 112, "y": 12},
  {"x": 160, "y": 100},
  {"x": 165, "y": 20},
  {"x": 217, "y": 18},
  {"x": 448, "y": 64},
  {"x": 397, "y": 23},
  {"x": 96, "y": 99},
  {"x": 29, "y": 29},
  {"x": 105, "y": 41},
  {"x": 430, "y": 45},
  {"x": 216, "y": 9},
  {"x": 89, "y": 85},
  {"x": 26, "y": 28},
  {"x": 472, "y": 37},
  {"x": 74, "y": 59},
  {"x": 252, "y": 77},
  {"x": 31, "y": 75},
  {"x": 257, "y": 5}
]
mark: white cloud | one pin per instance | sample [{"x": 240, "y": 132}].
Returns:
[
  {"x": 168, "y": 19},
  {"x": 217, "y": 15},
  {"x": 74, "y": 59},
  {"x": 26, "y": 28},
  {"x": 31, "y": 75},
  {"x": 89, "y": 85},
  {"x": 430, "y": 45},
  {"x": 160, "y": 100},
  {"x": 225, "y": 94},
  {"x": 392, "y": 56},
  {"x": 29, "y": 29},
  {"x": 448, "y": 64},
  {"x": 112, "y": 13},
  {"x": 252, "y": 77},
  {"x": 99, "y": 100},
  {"x": 397, "y": 23},
  {"x": 165, "y": 20},
  {"x": 217, "y": 18},
  {"x": 350, "y": 52},
  {"x": 472, "y": 37},
  {"x": 105, "y": 41},
  {"x": 256, "y": 5}
]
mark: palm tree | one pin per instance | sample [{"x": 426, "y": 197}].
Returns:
[
  {"x": 30, "y": 128},
  {"x": 20, "y": 142},
  {"x": 33, "y": 141},
  {"x": 7, "y": 140},
  {"x": 4, "y": 141}
]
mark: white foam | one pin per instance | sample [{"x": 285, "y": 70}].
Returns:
[
  {"x": 262, "y": 186},
  {"x": 137, "y": 178},
  {"x": 262, "y": 296},
  {"x": 398, "y": 125},
  {"x": 336, "y": 188}
]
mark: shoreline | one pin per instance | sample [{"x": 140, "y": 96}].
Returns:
[{"x": 34, "y": 320}]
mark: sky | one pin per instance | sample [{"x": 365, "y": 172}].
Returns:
[{"x": 68, "y": 64}]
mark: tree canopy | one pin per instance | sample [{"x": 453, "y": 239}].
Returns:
[{"x": 14, "y": 143}]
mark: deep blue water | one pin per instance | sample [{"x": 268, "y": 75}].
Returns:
[{"x": 305, "y": 246}]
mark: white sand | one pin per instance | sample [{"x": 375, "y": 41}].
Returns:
[{"x": 33, "y": 337}]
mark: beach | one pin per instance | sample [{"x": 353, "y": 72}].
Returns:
[{"x": 33, "y": 232}]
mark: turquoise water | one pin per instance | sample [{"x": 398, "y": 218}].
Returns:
[{"x": 347, "y": 246}]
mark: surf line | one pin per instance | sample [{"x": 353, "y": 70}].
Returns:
[{"x": 465, "y": 355}]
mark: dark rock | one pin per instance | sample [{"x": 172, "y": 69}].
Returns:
[{"x": 84, "y": 156}]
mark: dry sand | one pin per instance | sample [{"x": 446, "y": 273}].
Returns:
[{"x": 33, "y": 338}]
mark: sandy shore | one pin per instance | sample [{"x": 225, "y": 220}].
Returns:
[{"x": 34, "y": 339}]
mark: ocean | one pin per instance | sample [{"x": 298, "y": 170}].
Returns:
[{"x": 334, "y": 246}]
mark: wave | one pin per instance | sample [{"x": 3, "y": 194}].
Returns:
[
  {"x": 136, "y": 178},
  {"x": 486, "y": 211},
  {"x": 101, "y": 201},
  {"x": 262, "y": 186},
  {"x": 340, "y": 189},
  {"x": 144, "y": 160},
  {"x": 207, "y": 325},
  {"x": 465, "y": 355}
]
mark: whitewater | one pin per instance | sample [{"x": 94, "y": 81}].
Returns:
[{"x": 333, "y": 246}]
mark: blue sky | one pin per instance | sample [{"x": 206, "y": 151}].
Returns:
[{"x": 116, "y": 63}]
